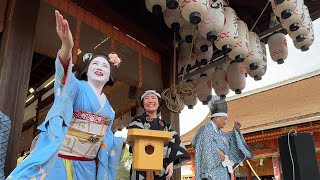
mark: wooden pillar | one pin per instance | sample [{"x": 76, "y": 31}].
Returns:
[
  {"x": 174, "y": 120},
  {"x": 167, "y": 78},
  {"x": 276, "y": 168},
  {"x": 16, "y": 50}
]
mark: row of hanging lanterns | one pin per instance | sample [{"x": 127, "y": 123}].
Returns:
[
  {"x": 203, "y": 23},
  {"x": 306, "y": 27},
  {"x": 295, "y": 18}
]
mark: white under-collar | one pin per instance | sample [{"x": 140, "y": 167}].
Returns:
[{"x": 214, "y": 127}]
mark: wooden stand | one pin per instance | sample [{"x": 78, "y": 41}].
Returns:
[{"x": 148, "y": 148}]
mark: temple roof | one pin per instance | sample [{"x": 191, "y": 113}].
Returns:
[{"x": 287, "y": 103}]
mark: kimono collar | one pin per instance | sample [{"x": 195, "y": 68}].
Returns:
[
  {"x": 148, "y": 118},
  {"x": 214, "y": 127}
]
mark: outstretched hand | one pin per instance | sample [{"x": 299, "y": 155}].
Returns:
[
  {"x": 237, "y": 124},
  {"x": 65, "y": 36}
]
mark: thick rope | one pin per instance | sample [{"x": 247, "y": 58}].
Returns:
[
  {"x": 174, "y": 95},
  {"x": 253, "y": 170}
]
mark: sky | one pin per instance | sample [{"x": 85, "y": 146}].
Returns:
[{"x": 296, "y": 64}]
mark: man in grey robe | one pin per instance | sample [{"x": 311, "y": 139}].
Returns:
[{"x": 216, "y": 152}]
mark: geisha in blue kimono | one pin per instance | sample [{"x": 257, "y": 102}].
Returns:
[
  {"x": 217, "y": 152},
  {"x": 76, "y": 141}
]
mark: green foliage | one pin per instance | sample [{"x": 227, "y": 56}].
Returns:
[{"x": 124, "y": 166}]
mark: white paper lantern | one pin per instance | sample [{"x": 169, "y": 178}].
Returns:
[
  {"x": 283, "y": 8},
  {"x": 241, "y": 49},
  {"x": 173, "y": 4},
  {"x": 201, "y": 43},
  {"x": 262, "y": 66},
  {"x": 278, "y": 48},
  {"x": 229, "y": 34},
  {"x": 194, "y": 11},
  {"x": 184, "y": 52},
  {"x": 254, "y": 56},
  {"x": 188, "y": 32},
  {"x": 156, "y": 6},
  {"x": 204, "y": 89},
  {"x": 307, "y": 42},
  {"x": 204, "y": 57},
  {"x": 190, "y": 100},
  {"x": 304, "y": 27},
  {"x": 173, "y": 19},
  {"x": 236, "y": 76},
  {"x": 296, "y": 18},
  {"x": 211, "y": 26},
  {"x": 220, "y": 84}
]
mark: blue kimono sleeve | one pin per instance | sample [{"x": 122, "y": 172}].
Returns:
[
  {"x": 109, "y": 158},
  {"x": 54, "y": 128},
  {"x": 239, "y": 150},
  {"x": 66, "y": 86}
]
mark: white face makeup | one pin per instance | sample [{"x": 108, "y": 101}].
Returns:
[{"x": 99, "y": 70}]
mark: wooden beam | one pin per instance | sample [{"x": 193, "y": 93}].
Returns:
[
  {"x": 102, "y": 24},
  {"x": 110, "y": 15},
  {"x": 215, "y": 62},
  {"x": 16, "y": 51},
  {"x": 36, "y": 118},
  {"x": 44, "y": 103},
  {"x": 3, "y": 7},
  {"x": 40, "y": 93}
]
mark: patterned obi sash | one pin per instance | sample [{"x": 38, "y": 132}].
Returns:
[{"x": 84, "y": 137}]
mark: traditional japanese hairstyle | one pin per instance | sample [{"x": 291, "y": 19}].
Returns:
[
  {"x": 151, "y": 92},
  {"x": 112, "y": 58}
]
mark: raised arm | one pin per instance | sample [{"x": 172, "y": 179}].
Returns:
[{"x": 66, "y": 38}]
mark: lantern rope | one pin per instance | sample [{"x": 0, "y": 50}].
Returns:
[
  {"x": 255, "y": 23},
  {"x": 254, "y": 172},
  {"x": 191, "y": 47},
  {"x": 173, "y": 99},
  {"x": 174, "y": 95}
]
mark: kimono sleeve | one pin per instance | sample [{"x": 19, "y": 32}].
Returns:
[
  {"x": 239, "y": 150},
  {"x": 66, "y": 87},
  {"x": 136, "y": 123},
  {"x": 176, "y": 152},
  {"x": 63, "y": 76}
]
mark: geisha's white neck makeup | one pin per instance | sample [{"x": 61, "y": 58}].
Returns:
[{"x": 98, "y": 73}]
